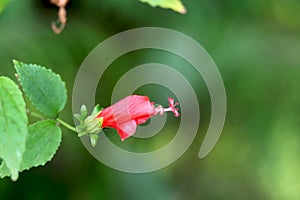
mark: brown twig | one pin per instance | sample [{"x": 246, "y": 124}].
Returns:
[{"x": 62, "y": 16}]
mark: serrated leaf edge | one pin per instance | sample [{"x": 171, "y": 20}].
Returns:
[{"x": 16, "y": 62}]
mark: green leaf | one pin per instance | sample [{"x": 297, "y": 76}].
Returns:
[
  {"x": 3, "y": 4},
  {"x": 4, "y": 171},
  {"x": 43, "y": 140},
  {"x": 13, "y": 125},
  {"x": 45, "y": 89},
  {"x": 175, "y": 5}
]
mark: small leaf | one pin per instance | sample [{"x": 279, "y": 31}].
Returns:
[
  {"x": 45, "y": 89},
  {"x": 3, "y": 4},
  {"x": 13, "y": 125},
  {"x": 175, "y": 5},
  {"x": 43, "y": 140}
]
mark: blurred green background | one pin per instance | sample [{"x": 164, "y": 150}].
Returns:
[{"x": 256, "y": 46}]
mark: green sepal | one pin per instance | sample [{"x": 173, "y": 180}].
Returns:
[
  {"x": 89, "y": 125},
  {"x": 94, "y": 139},
  {"x": 97, "y": 110}
]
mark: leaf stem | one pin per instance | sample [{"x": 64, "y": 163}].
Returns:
[{"x": 65, "y": 124}]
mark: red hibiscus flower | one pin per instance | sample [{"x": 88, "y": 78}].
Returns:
[{"x": 131, "y": 111}]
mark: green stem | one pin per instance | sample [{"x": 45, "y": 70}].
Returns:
[{"x": 65, "y": 124}]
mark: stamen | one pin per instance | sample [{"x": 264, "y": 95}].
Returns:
[{"x": 160, "y": 110}]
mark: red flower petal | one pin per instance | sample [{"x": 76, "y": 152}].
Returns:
[
  {"x": 127, "y": 129},
  {"x": 131, "y": 111},
  {"x": 121, "y": 115}
]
